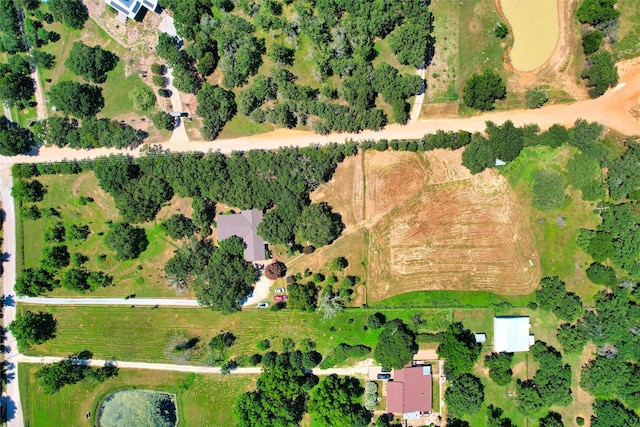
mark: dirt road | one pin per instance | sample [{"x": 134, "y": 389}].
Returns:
[{"x": 615, "y": 109}]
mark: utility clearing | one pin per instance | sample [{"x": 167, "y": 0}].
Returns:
[{"x": 431, "y": 225}]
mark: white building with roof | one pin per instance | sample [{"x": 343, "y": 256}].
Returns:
[
  {"x": 511, "y": 334},
  {"x": 131, "y": 8}
]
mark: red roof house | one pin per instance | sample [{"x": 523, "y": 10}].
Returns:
[{"x": 410, "y": 391}]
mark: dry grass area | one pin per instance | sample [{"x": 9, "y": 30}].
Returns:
[{"x": 430, "y": 225}]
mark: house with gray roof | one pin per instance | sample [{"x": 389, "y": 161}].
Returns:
[
  {"x": 245, "y": 226},
  {"x": 131, "y": 8}
]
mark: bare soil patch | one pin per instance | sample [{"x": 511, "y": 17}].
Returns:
[{"x": 433, "y": 226}]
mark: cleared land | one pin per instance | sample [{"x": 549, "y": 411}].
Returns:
[
  {"x": 531, "y": 47},
  {"x": 142, "y": 276},
  {"x": 207, "y": 400},
  {"x": 432, "y": 225}
]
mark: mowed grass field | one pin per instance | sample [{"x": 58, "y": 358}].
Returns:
[
  {"x": 447, "y": 230},
  {"x": 142, "y": 276},
  {"x": 207, "y": 401},
  {"x": 144, "y": 333}
]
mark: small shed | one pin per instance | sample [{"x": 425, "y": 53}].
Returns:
[{"x": 481, "y": 338}]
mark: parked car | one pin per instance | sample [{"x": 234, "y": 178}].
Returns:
[
  {"x": 384, "y": 376},
  {"x": 385, "y": 370},
  {"x": 279, "y": 298},
  {"x": 280, "y": 291},
  {"x": 263, "y": 305}
]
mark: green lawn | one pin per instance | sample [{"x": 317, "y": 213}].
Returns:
[
  {"x": 142, "y": 276},
  {"x": 557, "y": 248},
  {"x": 143, "y": 333},
  {"x": 452, "y": 299},
  {"x": 206, "y": 402}
]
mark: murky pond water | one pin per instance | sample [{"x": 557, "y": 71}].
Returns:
[
  {"x": 134, "y": 408},
  {"x": 536, "y": 27}
]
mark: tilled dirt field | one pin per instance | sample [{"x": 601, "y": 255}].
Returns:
[{"x": 434, "y": 226}]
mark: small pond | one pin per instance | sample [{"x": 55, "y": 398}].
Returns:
[
  {"x": 133, "y": 408},
  {"x": 536, "y": 29}
]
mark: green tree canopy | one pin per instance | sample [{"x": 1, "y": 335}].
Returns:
[
  {"x": 71, "y": 13},
  {"x": 280, "y": 398},
  {"x": 178, "y": 226},
  {"x": 612, "y": 413},
  {"x": 459, "y": 349},
  {"x": 412, "y": 42},
  {"x": 601, "y": 73},
  {"x": 553, "y": 296},
  {"x": 216, "y": 106},
  {"x": 464, "y": 395},
  {"x": 14, "y": 140},
  {"x": 16, "y": 86},
  {"x": 127, "y": 241},
  {"x": 396, "y": 345},
  {"x": 482, "y": 90},
  {"x": 92, "y": 63},
  {"x": 552, "y": 419},
  {"x": 227, "y": 279},
  {"x": 33, "y": 282},
  {"x": 499, "y": 365},
  {"x": 318, "y": 225},
  {"x": 336, "y": 401},
  {"x": 28, "y": 191},
  {"x": 32, "y": 328},
  {"x": 78, "y": 99},
  {"x": 595, "y": 12}
]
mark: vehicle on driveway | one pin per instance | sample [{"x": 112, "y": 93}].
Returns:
[
  {"x": 279, "y": 298},
  {"x": 280, "y": 290},
  {"x": 384, "y": 376},
  {"x": 263, "y": 305}
]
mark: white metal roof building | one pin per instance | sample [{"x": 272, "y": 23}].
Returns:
[
  {"x": 511, "y": 334},
  {"x": 131, "y": 8}
]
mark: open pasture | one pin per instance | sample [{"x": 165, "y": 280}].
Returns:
[{"x": 431, "y": 225}]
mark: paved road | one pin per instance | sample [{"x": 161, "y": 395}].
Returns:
[{"x": 361, "y": 369}]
